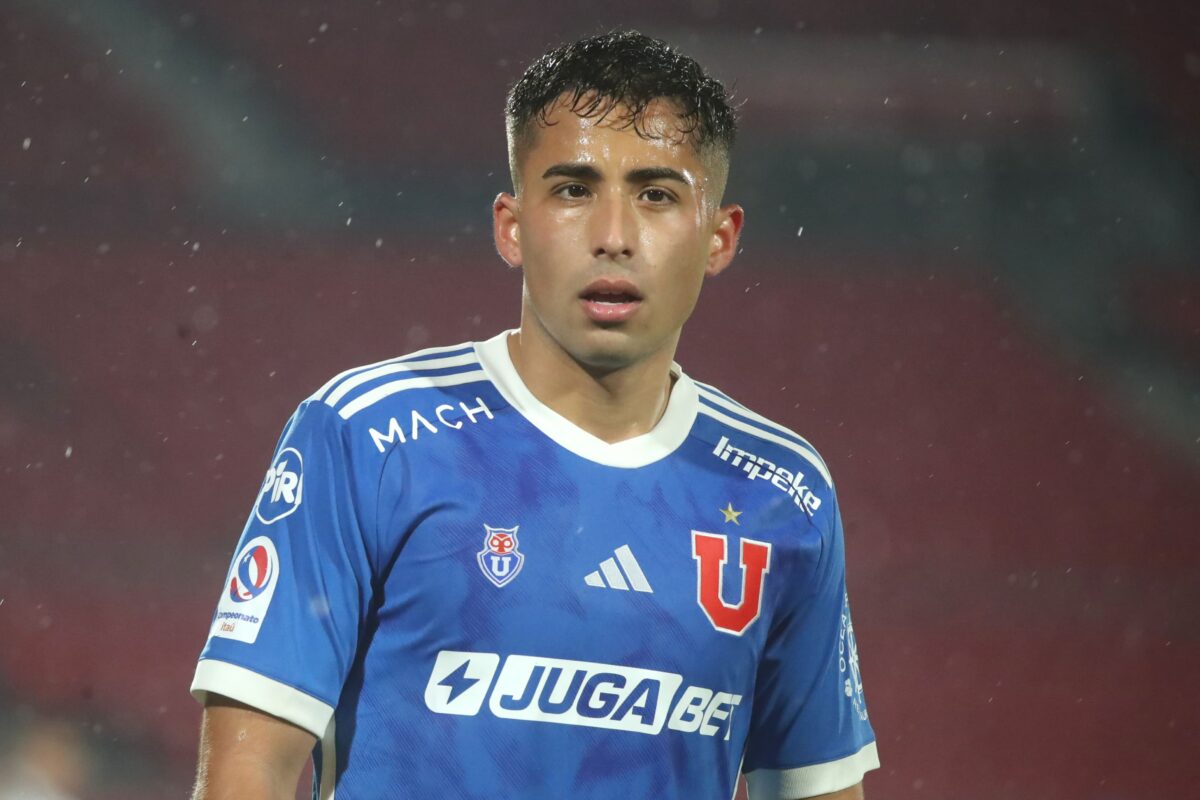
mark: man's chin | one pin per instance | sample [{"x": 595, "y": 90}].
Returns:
[{"x": 609, "y": 349}]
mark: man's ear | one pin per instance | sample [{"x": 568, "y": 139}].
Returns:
[
  {"x": 506, "y": 230},
  {"x": 724, "y": 243}
]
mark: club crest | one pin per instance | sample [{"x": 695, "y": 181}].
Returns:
[{"x": 500, "y": 560}]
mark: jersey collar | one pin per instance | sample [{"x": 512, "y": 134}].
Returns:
[{"x": 657, "y": 443}]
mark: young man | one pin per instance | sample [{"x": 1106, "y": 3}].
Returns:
[{"x": 550, "y": 564}]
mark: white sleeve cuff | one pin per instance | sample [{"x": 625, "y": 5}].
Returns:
[
  {"x": 815, "y": 779},
  {"x": 265, "y": 694}
]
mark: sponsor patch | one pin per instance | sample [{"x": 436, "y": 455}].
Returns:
[
  {"x": 566, "y": 692},
  {"x": 249, "y": 588},
  {"x": 445, "y": 415},
  {"x": 282, "y": 488},
  {"x": 759, "y": 468},
  {"x": 460, "y": 681}
]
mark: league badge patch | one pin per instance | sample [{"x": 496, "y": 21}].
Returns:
[
  {"x": 249, "y": 587},
  {"x": 255, "y": 569},
  {"x": 500, "y": 560}
]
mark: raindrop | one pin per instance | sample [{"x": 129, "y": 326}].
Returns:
[
  {"x": 205, "y": 319},
  {"x": 417, "y": 335}
]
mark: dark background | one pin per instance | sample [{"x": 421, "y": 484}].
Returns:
[{"x": 970, "y": 275}]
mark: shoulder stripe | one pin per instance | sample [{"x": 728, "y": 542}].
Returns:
[
  {"x": 439, "y": 352},
  {"x": 320, "y": 393},
  {"x": 714, "y": 390},
  {"x": 429, "y": 352},
  {"x": 746, "y": 427},
  {"x": 418, "y": 382},
  {"x": 718, "y": 399},
  {"x": 391, "y": 369}
]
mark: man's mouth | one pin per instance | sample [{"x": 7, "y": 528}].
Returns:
[{"x": 610, "y": 301}]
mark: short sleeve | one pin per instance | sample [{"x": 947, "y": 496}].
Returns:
[
  {"x": 810, "y": 734},
  {"x": 286, "y": 628}
]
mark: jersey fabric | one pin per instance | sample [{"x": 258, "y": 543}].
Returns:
[{"x": 462, "y": 594}]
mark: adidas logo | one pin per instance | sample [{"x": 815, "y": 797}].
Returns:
[{"x": 610, "y": 576}]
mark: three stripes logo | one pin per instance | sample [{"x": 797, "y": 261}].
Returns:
[{"x": 622, "y": 572}]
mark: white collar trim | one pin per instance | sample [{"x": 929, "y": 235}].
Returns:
[{"x": 664, "y": 439}]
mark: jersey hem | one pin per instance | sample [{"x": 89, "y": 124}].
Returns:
[
  {"x": 815, "y": 779},
  {"x": 265, "y": 694}
]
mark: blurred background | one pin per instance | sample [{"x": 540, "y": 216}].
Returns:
[{"x": 970, "y": 275}]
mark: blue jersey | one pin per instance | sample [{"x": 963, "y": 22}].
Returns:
[{"x": 461, "y": 594}]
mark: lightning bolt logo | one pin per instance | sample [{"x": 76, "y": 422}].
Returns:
[
  {"x": 458, "y": 682},
  {"x": 451, "y": 690}
]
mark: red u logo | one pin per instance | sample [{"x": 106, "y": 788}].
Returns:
[{"x": 709, "y": 551}]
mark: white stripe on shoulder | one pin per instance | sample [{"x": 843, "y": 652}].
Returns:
[
  {"x": 725, "y": 401},
  {"x": 329, "y": 384},
  {"x": 429, "y": 351},
  {"x": 419, "y": 382},
  {"x": 745, "y": 427},
  {"x": 714, "y": 390},
  {"x": 392, "y": 368}
]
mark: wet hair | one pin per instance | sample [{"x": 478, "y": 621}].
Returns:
[{"x": 622, "y": 72}]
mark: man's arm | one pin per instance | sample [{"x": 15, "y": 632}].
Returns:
[{"x": 247, "y": 753}]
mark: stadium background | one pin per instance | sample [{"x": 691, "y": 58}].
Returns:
[{"x": 969, "y": 276}]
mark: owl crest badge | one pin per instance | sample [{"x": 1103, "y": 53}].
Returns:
[{"x": 500, "y": 560}]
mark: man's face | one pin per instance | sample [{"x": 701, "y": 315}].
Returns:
[{"x": 615, "y": 233}]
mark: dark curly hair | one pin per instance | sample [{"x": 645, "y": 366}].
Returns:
[{"x": 626, "y": 70}]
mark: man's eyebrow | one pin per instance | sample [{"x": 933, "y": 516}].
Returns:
[
  {"x": 582, "y": 172},
  {"x": 647, "y": 174},
  {"x": 586, "y": 172}
]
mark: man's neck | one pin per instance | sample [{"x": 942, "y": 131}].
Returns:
[{"x": 611, "y": 405}]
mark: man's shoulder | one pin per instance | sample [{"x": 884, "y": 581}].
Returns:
[{"x": 760, "y": 446}]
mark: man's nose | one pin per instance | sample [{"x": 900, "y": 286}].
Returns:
[{"x": 614, "y": 227}]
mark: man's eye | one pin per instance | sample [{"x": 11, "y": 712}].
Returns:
[
  {"x": 575, "y": 191},
  {"x": 657, "y": 196}
]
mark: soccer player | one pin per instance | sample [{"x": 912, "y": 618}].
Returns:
[{"x": 550, "y": 564}]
